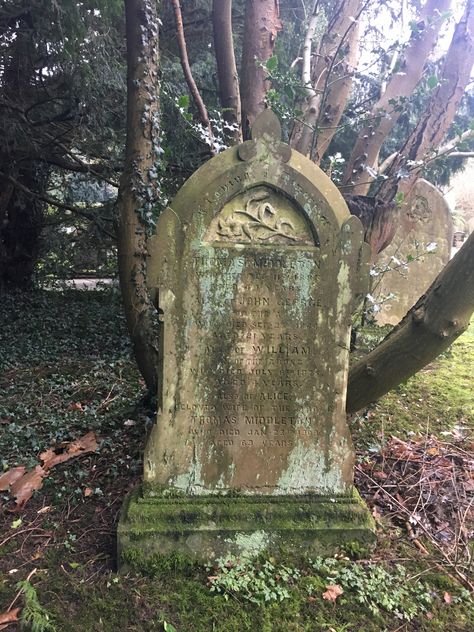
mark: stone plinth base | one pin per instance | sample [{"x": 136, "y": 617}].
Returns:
[{"x": 206, "y": 527}]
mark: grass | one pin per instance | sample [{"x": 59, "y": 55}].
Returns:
[
  {"x": 66, "y": 369},
  {"x": 438, "y": 400}
]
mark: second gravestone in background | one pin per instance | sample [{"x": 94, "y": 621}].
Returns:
[
  {"x": 423, "y": 241},
  {"x": 256, "y": 268}
]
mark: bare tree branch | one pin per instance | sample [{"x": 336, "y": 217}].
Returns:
[
  {"x": 440, "y": 111},
  {"x": 401, "y": 84},
  {"x": 229, "y": 91},
  {"x": 90, "y": 215},
  {"x": 188, "y": 75}
]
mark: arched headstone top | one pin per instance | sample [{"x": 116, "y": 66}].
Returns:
[{"x": 302, "y": 204}]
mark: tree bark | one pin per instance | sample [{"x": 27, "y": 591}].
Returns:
[
  {"x": 338, "y": 90},
  {"x": 431, "y": 325},
  {"x": 21, "y": 224},
  {"x": 441, "y": 110},
  {"x": 138, "y": 188},
  {"x": 326, "y": 68},
  {"x": 188, "y": 75},
  {"x": 261, "y": 26},
  {"x": 401, "y": 84},
  {"x": 229, "y": 92}
]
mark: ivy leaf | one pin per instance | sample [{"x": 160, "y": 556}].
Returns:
[
  {"x": 183, "y": 101},
  {"x": 399, "y": 198},
  {"x": 272, "y": 64},
  {"x": 432, "y": 81}
]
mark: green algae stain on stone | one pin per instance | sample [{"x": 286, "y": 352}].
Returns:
[{"x": 255, "y": 266}]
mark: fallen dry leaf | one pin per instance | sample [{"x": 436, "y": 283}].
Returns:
[
  {"x": 9, "y": 617},
  {"x": 12, "y": 475},
  {"x": 376, "y": 513},
  {"x": 447, "y": 598},
  {"x": 23, "y": 488},
  {"x": 75, "y": 406},
  {"x": 333, "y": 591},
  {"x": 83, "y": 445}
]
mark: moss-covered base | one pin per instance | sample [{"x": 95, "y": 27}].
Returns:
[{"x": 203, "y": 528}]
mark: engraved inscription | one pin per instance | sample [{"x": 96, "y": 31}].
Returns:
[{"x": 263, "y": 356}]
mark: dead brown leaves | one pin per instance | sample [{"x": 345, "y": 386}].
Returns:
[
  {"x": 10, "y": 477},
  {"x": 21, "y": 483},
  {"x": 428, "y": 482},
  {"x": 83, "y": 445},
  {"x": 333, "y": 591},
  {"x": 426, "y": 485},
  {"x": 9, "y": 617}
]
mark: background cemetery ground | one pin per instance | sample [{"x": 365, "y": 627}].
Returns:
[{"x": 66, "y": 370}]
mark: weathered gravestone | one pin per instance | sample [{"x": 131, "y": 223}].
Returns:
[
  {"x": 422, "y": 242},
  {"x": 256, "y": 267}
]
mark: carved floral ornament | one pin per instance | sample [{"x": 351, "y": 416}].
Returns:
[
  {"x": 260, "y": 221},
  {"x": 261, "y": 216},
  {"x": 419, "y": 210}
]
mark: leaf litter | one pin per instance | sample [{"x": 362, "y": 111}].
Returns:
[
  {"x": 427, "y": 485},
  {"x": 21, "y": 483}
]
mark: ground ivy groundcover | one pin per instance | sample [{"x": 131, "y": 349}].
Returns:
[{"x": 66, "y": 371}]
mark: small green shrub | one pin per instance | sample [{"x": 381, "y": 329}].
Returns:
[
  {"x": 376, "y": 587},
  {"x": 33, "y": 615},
  {"x": 254, "y": 580}
]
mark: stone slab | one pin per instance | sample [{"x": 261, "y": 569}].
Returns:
[
  {"x": 425, "y": 219},
  {"x": 205, "y": 528}
]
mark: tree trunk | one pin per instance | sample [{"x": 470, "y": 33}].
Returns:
[
  {"x": 338, "y": 90},
  {"x": 21, "y": 223},
  {"x": 402, "y": 83},
  {"x": 441, "y": 110},
  {"x": 261, "y": 26},
  {"x": 326, "y": 66},
  {"x": 431, "y": 325},
  {"x": 138, "y": 186},
  {"x": 229, "y": 93}
]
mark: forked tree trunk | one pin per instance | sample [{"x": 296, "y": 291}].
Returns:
[
  {"x": 337, "y": 93},
  {"x": 229, "y": 92},
  {"x": 402, "y": 83},
  {"x": 138, "y": 191},
  {"x": 334, "y": 56},
  {"x": 436, "y": 120},
  {"x": 431, "y": 325},
  {"x": 261, "y": 26}
]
